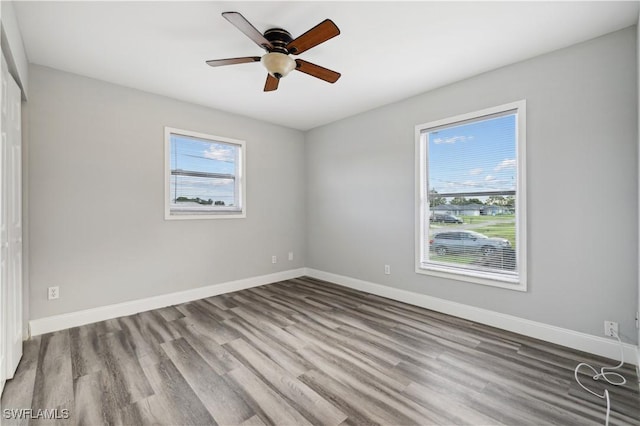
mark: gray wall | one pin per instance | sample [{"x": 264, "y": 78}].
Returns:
[
  {"x": 582, "y": 164},
  {"x": 96, "y": 207}
]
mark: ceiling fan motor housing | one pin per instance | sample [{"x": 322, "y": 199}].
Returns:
[{"x": 279, "y": 38}]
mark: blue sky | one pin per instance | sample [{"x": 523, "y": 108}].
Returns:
[
  {"x": 202, "y": 156},
  {"x": 473, "y": 157}
]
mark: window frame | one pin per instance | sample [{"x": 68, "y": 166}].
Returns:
[
  {"x": 216, "y": 212},
  {"x": 517, "y": 282}
]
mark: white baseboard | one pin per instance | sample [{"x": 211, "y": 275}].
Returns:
[
  {"x": 561, "y": 336},
  {"x": 565, "y": 337},
  {"x": 88, "y": 316}
]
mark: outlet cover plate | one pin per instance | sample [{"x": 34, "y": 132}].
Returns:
[
  {"x": 53, "y": 293},
  {"x": 608, "y": 325}
]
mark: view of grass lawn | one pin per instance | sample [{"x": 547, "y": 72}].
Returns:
[
  {"x": 500, "y": 230},
  {"x": 480, "y": 219},
  {"x": 456, "y": 258}
]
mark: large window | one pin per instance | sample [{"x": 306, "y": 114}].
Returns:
[
  {"x": 470, "y": 215},
  {"x": 204, "y": 176}
]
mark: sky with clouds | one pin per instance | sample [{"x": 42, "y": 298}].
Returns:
[{"x": 473, "y": 157}]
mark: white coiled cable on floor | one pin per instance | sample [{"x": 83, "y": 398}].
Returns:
[{"x": 607, "y": 374}]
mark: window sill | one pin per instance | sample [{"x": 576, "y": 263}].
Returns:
[
  {"x": 207, "y": 215},
  {"x": 476, "y": 277}
]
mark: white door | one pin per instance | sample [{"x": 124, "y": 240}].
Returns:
[
  {"x": 10, "y": 227},
  {"x": 4, "y": 237},
  {"x": 14, "y": 223}
]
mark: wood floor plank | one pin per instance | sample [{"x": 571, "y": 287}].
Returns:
[
  {"x": 448, "y": 409},
  {"x": 360, "y": 407},
  {"x": 430, "y": 328},
  {"x": 272, "y": 312},
  {"x": 350, "y": 358},
  {"x": 253, "y": 421},
  {"x": 400, "y": 345},
  {"x": 546, "y": 413},
  {"x": 289, "y": 360},
  {"x": 284, "y": 338},
  {"x": 209, "y": 325},
  {"x": 306, "y": 401},
  {"x": 305, "y": 351},
  {"x": 85, "y": 350},
  {"x": 223, "y": 301},
  {"x": 90, "y": 407},
  {"x": 106, "y": 326},
  {"x": 363, "y": 381},
  {"x": 214, "y": 354},
  {"x": 204, "y": 308},
  {"x": 358, "y": 342},
  {"x": 267, "y": 404},
  {"x": 123, "y": 373},
  {"x": 174, "y": 403},
  {"x": 323, "y": 319},
  {"x": 222, "y": 402},
  {"x": 435, "y": 373},
  {"x": 170, "y": 313},
  {"x": 144, "y": 345},
  {"x": 53, "y": 387},
  {"x": 534, "y": 391},
  {"x": 155, "y": 327}
]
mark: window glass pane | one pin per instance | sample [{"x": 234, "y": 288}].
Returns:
[
  {"x": 474, "y": 157},
  {"x": 198, "y": 192},
  {"x": 483, "y": 240},
  {"x": 471, "y": 176},
  {"x": 203, "y": 175}
]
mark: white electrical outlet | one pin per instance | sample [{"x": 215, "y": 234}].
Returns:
[
  {"x": 53, "y": 293},
  {"x": 290, "y": 255},
  {"x": 610, "y": 327},
  {"x": 274, "y": 259},
  {"x": 387, "y": 270}
]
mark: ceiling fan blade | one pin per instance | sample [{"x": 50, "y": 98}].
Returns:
[
  {"x": 317, "y": 71},
  {"x": 241, "y": 23},
  {"x": 271, "y": 83},
  {"x": 322, "y": 32},
  {"x": 233, "y": 61}
]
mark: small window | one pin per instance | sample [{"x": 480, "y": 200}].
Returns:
[
  {"x": 204, "y": 176},
  {"x": 470, "y": 172}
]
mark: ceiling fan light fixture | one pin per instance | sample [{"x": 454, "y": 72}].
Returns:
[{"x": 278, "y": 64}]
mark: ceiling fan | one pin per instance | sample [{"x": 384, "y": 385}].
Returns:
[{"x": 279, "y": 46}]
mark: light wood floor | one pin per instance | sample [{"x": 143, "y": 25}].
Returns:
[{"x": 305, "y": 351}]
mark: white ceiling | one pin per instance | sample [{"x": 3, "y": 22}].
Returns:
[{"x": 387, "y": 51}]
